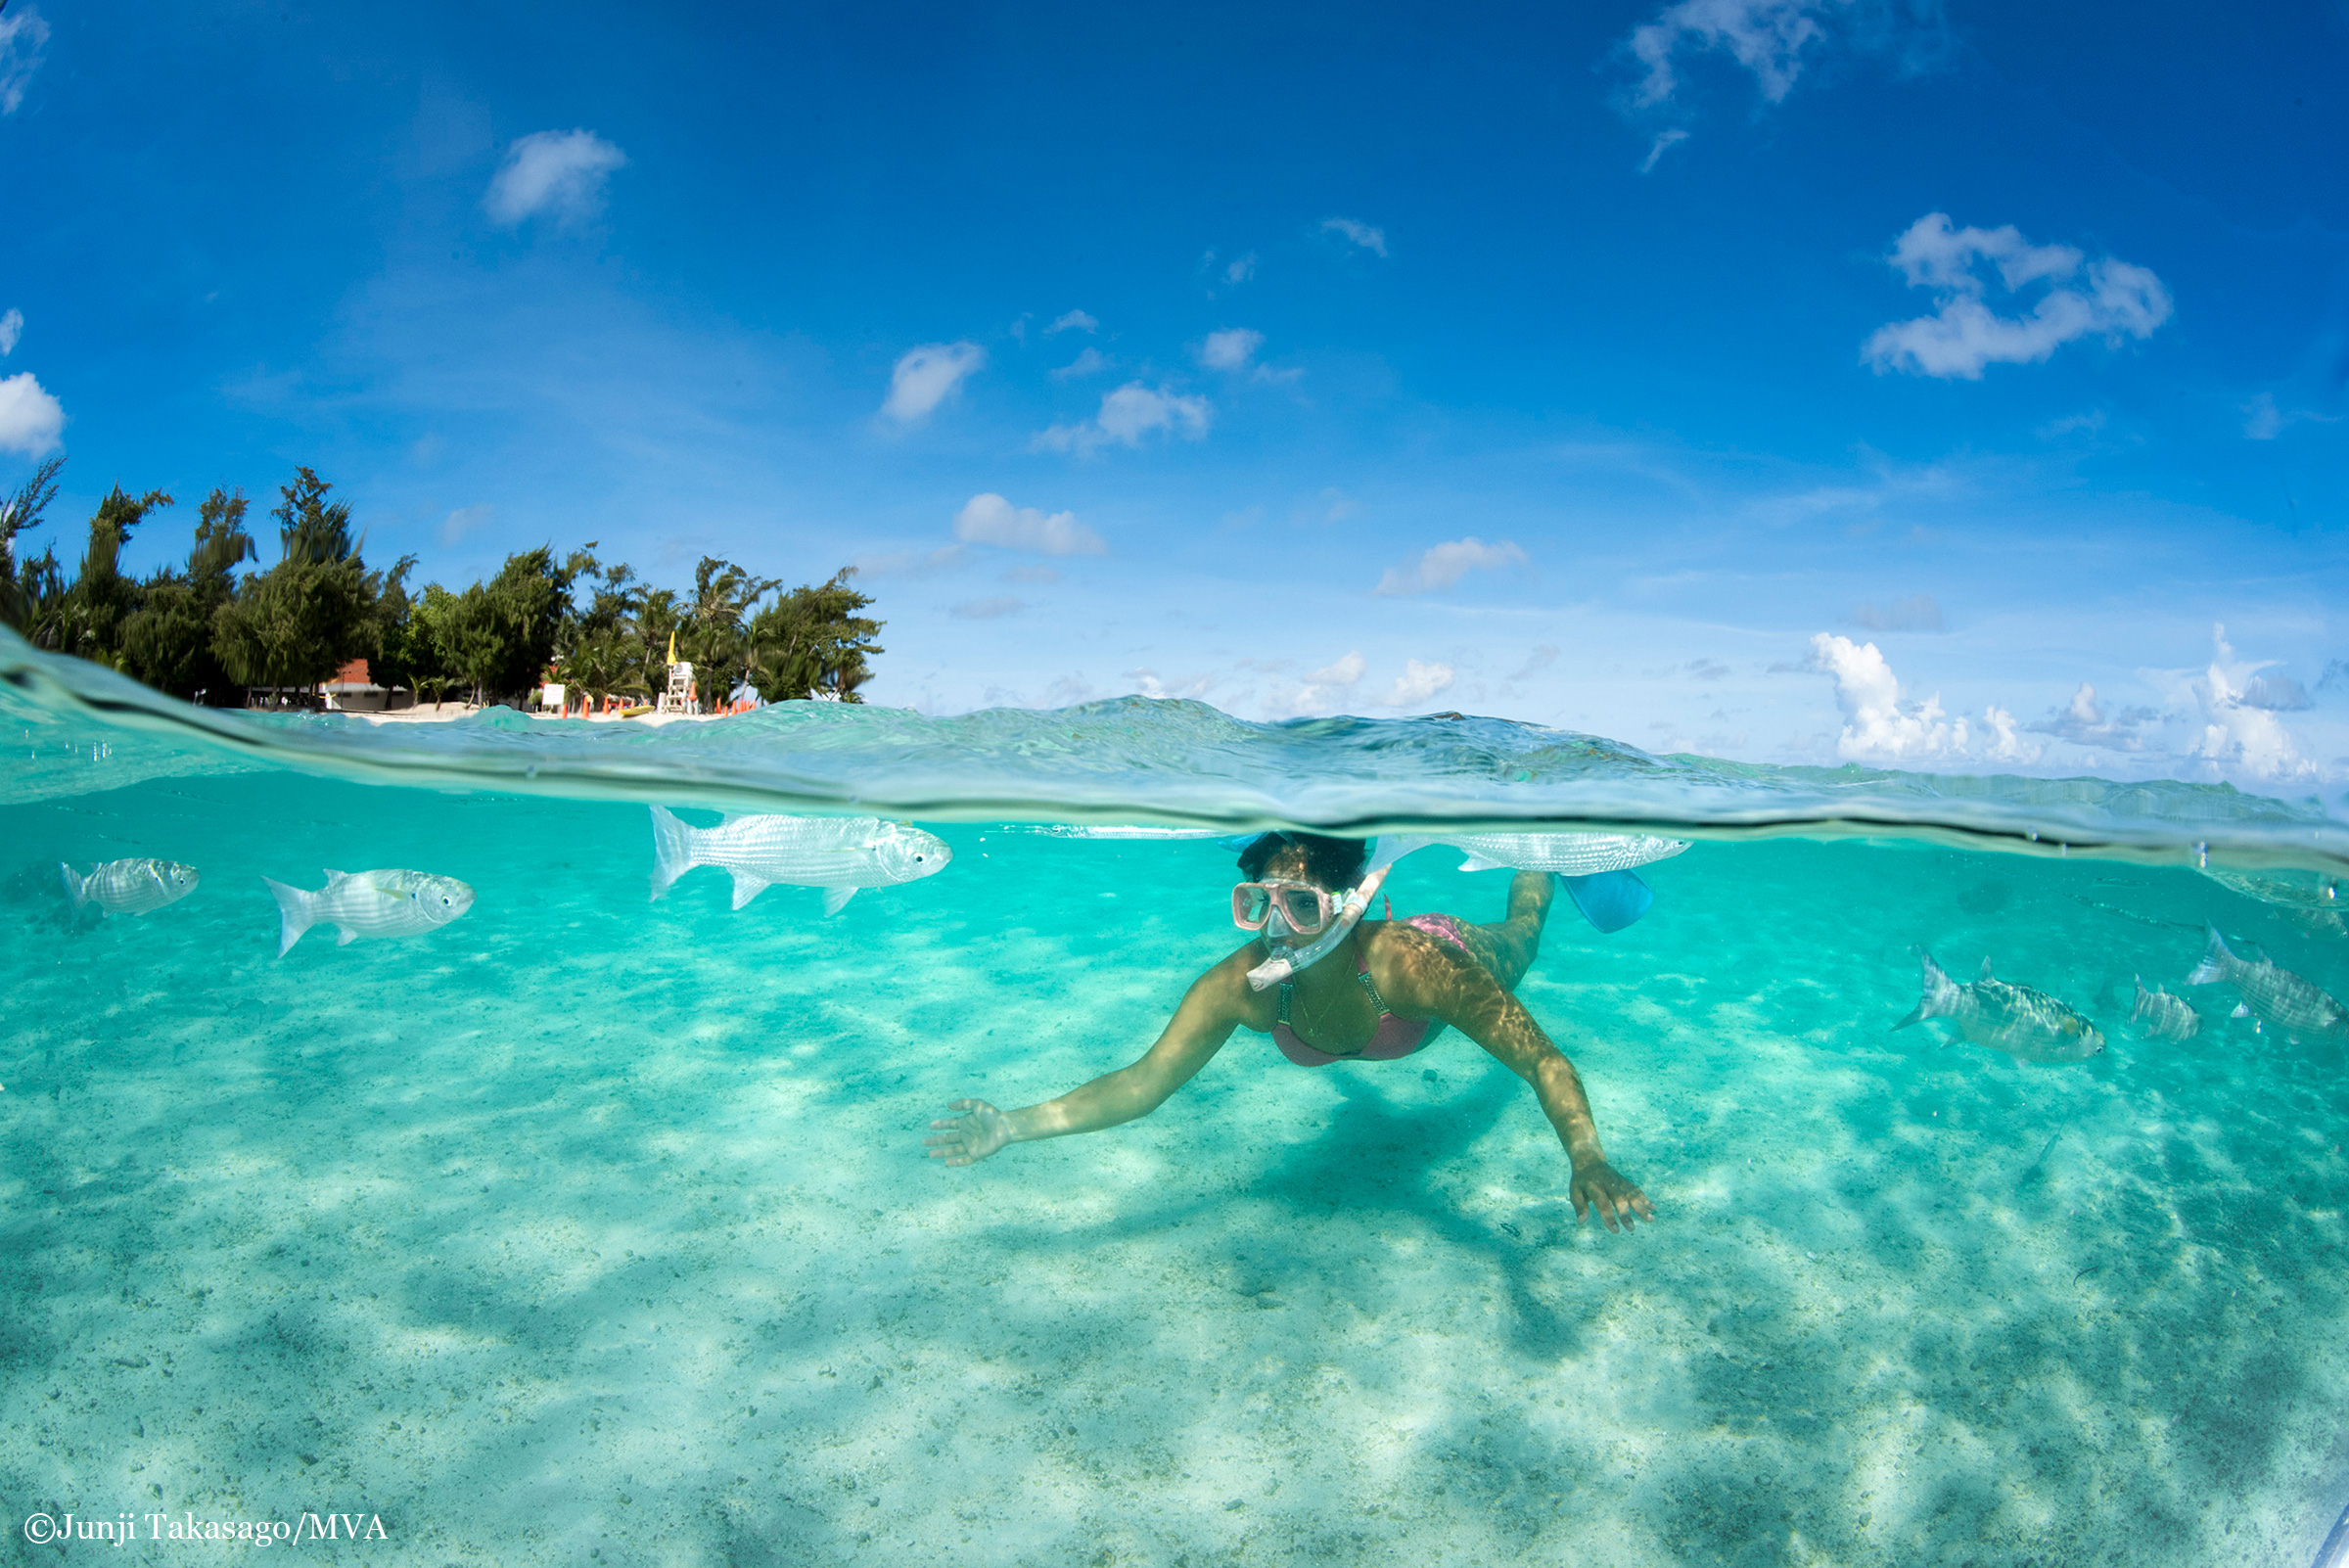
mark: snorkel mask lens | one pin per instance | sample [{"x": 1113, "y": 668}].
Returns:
[{"x": 1302, "y": 910}]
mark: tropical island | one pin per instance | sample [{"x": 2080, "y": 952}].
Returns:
[{"x": 276, "y": 637}]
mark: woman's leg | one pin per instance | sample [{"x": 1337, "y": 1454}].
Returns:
[{"x": 1508, "y": 945}]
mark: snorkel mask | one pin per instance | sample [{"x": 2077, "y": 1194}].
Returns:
[{"x": 1287, "y": 957}]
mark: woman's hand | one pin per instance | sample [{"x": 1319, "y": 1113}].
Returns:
[
  {"x": 975, "y": 1134},
  {"x": 1598, "y": 1186}
]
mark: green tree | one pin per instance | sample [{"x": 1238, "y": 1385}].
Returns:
[
  {"x": 91, "y": 619},
  {"x": 315, "y": 611},
  {"x": 167, "y": 641},
  {"x": 813, "y": 639},
  {"x": 21, "y": 581}
]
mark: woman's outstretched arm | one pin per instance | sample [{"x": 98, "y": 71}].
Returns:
[
  {"x": 1209, "y": 1013},
  {"x": 1463, "y": 994}
]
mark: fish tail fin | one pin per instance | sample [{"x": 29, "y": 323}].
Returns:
[
  {"x": 1938, "y": 992},
  {"x": 673, "y": 850},
  {"x": 2215, "y": 959},
  {"x": 76, "y": 887},
  {"x": 293, "y": 914}
]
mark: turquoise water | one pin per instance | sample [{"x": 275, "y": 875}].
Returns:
[{"x": 594, "y": 1229}]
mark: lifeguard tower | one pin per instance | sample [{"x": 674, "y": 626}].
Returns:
[{"x": 678, "y": 698}]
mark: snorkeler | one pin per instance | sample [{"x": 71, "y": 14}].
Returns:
[{"x": 1369, "y": 991}]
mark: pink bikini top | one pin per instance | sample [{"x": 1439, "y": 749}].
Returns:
[{"x": 1395, "y": 1036}]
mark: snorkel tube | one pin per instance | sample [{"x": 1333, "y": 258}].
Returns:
[{"x": 1286, "y": 959}]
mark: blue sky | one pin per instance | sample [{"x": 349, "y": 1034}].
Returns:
[{"x": 1790, "y": 380}]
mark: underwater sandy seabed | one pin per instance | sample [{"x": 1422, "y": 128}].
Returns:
[{"x": 593, "y": 1230}]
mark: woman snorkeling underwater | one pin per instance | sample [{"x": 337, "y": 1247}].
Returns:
[{"x": 1347, "y": 989}]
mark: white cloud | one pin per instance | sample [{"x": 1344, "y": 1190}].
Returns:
[
  {"x": 1916, "y": 613},
  {"x": 1231, "y": 348},
  {"x": 557, "y": 172},
  {"x": 1771, "y": 37},
  {"x": 1344, "y": 673},
  {"x": 1242, "y": 268},
  {"x": 1663, "y": 143},
  {"x": 20, "y": 39},
  {"x": 463, "y": 521},
  {"x": 12, "y": 330},
  {"x": 1879, "y": 727},
  {"x": 2108, "y": 298},
  {"x": 987, "y": 609},
  {"x": 1416, "y": 684},
  {"x": 1147, "y": 684},
  {"x": 1031, "y": 574},
  {"x": 31, "y": 420},
  {"x": 1358, "y": 233},
  {"x": 1087, "y": 363},
  {"x": 990, "y": 519},
  {"x": 1073, "y": 321},
  {"x": 927, "y": 376},
  {"x": 1445, "y": 564},
  {"x": 1538, "y": 660},
  {"x": 2263, "y": 421},
  {"x": 1128, "y": 414},
  {"x": 912, "y": 563},
  {"x": 2084, "y": 721},
  {"x": 2278, "y": 694},
  {"x": 2234, "y": 731}
]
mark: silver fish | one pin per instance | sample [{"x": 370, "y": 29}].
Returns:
[
  {"x": 2274, "y": 995},
  {"x": 128, "y": 886},
  {"x": 2308, "y": 899},
  {"x": 2165, "y": 1017},
  {"x": 837, "y": 853},
  {"x": 2028, "y": 1024},
  {"x": 369, "y": 904},
  {"x": 1568, "y": 853}
]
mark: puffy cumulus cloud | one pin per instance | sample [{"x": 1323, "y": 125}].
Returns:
[
  {"x": 1916, "y": 613},
  {"x": 11, "y": 331},
  {"x": 32, "y": 421},
  {"x": 1445, "y": 564},
  {"x": 1146, "y": 684},
  {"x": 1088, "y": 363},
  {"x": 1128, "y": 415},
  {"x": 927, "y": 376},
  {"x": 2231, "y": 733},
  {"x": 1344, "y": 672},
  {"x": 1073, "y": 321},
  {"x": 1416, "y": 684},
  {"x": 2108, "y": 298},
  {"x": 1320, "y": 692},
  {"x": 2278, "y": 694},
  {"x": 990, "y": 519},
  {"x": 22, "y": 39},
  {"x": 2084, "y": 721},
  {"x": 561, "y": 173},
  {"x": 1880, "y": 726},
  {"x": 1357, "y": 233},
  {"x": 1231, "y": 348}
]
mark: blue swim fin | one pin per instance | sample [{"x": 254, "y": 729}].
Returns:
[{"x": 1611, "y": 899}]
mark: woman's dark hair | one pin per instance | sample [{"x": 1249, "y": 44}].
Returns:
[{"x": 1332, "y": 863}]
